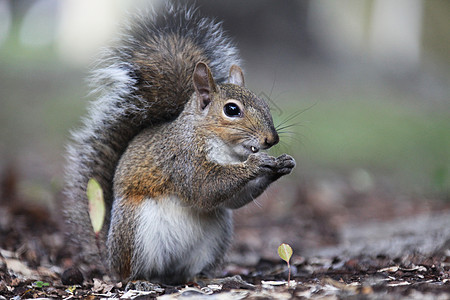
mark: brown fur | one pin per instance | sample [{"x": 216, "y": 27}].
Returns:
[
  {"x": 172, "y": 160},
  {"x": 150, "y": 138}
]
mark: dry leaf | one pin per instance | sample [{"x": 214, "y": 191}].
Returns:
[{"x": 96, "y": 204}]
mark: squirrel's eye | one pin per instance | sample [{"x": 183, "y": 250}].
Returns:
[{"x": 232, "y": 110}]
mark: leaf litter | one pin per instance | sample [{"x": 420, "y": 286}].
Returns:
[{"x": 328, "y": 261}]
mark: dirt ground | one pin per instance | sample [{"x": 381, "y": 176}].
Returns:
[{"x": 347, "y": 244}]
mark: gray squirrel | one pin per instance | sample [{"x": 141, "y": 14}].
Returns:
[{"x": 174, "y": 139}]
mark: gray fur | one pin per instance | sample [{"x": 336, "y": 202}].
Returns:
[{"x": 120, "y": 111}]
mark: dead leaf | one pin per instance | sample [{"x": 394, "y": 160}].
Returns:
[
  {"x": 101, "y": 287},
  {"x": 340, "y": 285},
  {"x": 19, "y": 267},
  {"x": 389, "y": 269},
  {"x": 415, "y": 268},
  {"x": 398, "y": 283}
]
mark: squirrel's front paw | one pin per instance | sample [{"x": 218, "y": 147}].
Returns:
[
  {"x": 269, "y": 165},
  {"x": 262, "y": 163},
  {"x": 284, "y": 165}
]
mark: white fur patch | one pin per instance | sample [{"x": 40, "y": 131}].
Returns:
[
  {"x": 172, "y": 238},
  {"x": 221, "y": 153}
]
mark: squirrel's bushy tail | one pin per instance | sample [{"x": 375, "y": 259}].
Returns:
[{"x": 143, "y": 81}]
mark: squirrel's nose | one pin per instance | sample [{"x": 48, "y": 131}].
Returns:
[{"x": 271, "y": 140}]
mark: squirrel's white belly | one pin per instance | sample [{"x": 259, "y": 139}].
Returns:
[{"x": 174, "y": 240}]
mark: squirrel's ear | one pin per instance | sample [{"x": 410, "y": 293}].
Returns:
[
  {"x": 203, "y": 83},
  {"x": 236, "y": 76}
]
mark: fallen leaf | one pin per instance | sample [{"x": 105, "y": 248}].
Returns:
[
  {"x": 399, "y": 283},
  {"x": 101, "y": 287},
  {"x": 389, "y": 269},
  {"x": 96, "y": 204},
  {"x": 17, "y": 266},
  {"x": 415, "y": 268}
]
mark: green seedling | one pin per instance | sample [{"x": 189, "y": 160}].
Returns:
[
  {"x": 40, "y": 284},
  {"x": 285, "y": 253}
]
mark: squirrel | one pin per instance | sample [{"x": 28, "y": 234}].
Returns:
[{"x": 175, "y": 141}]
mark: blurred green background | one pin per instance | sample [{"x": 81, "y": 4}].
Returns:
[{"x": 364, "y": 84}]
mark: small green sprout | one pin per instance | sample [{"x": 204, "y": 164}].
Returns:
[
  {"x": 285, "y": 253},
  {"x": 40, "y": 284}
]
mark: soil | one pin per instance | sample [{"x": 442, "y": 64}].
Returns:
[{"x": 373, "y": 244}]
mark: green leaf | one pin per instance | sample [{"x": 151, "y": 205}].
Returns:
[
  {"x": 40, "y": 284},
  {"x": 285, "y": 252},
  {"x": 96, "y": 204}
]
